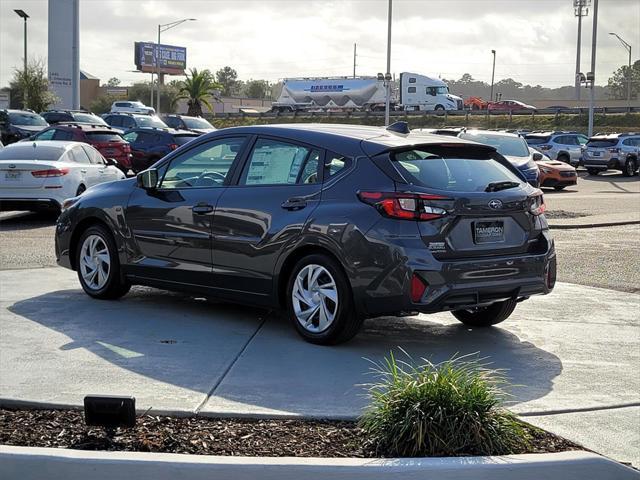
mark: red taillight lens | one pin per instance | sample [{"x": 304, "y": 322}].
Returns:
[
  {"x": 613, "y": 150},
  {"x": 405, "y": 206},
  {"x": 537, "y": 205},
  {"x": 54, "y": 172},
  {"x": 173, "y": 146},
  {"x": 418, "y": 286}
]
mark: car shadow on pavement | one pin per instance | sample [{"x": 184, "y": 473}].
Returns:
[
  {"x": 26, "y": 221},
  {"x": 244, "y": 356}
]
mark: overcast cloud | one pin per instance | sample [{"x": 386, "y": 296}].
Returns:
[{"x": 535, "y": 39}]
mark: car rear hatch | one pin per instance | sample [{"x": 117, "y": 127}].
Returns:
[
  {"x": 110, "y": 144},
  {"x": 600, "y": 148},
  {"x": 468, "y": 202}
]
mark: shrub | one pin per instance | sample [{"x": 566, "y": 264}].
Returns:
[{"x": 447, "y": 409}]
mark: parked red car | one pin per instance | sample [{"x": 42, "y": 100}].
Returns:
[
  {"x": 104, "y": 138},
  {"x": 509, "y": 106}
]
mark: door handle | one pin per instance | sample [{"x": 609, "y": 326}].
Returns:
[
  {"x": 294, "y": 203},
  {"x": 202, "y": 209},
  {"x": 83, "y": 171}
]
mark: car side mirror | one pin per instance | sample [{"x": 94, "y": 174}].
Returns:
[
  {"x": 537, "y": 157},
  {"x": 112, "y": 161},
  {"x": 148, "y": 179}
]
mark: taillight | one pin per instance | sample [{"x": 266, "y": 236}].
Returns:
[
  {"x": 173, "y": 146},
  {"x": 405, "y": 206},
  {"x": 613, "y": 150},
  {"x": 537, "y": 205},
  {"x": 126, "y": 148},
  {"x": 418, "y": 286},
  {"x": 544, "y": 147},
  {"x": 54, "y": 172}
]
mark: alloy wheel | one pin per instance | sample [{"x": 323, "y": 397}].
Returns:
[
  {"x": 315, "y": 298},
  {"x": 95, "y": 262}
]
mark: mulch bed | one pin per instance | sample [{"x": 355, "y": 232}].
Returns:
[
  {"x": 209, "y": 436},
  {"x": 558, "y": 214}
]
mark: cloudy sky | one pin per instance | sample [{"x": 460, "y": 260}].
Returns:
[{"x": 535, "y": 39}]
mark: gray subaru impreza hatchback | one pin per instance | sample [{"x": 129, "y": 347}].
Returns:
[{"x": 331, "y": 223}]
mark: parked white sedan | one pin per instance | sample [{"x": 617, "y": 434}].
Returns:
[{"x": 40, "y": 175}]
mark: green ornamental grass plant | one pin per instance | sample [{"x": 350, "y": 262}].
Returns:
[{"x": 448, "y": 409}]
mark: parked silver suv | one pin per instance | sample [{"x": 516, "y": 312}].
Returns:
[
  {"x": 562, "y": 146},
  {"x": 619, "y": 151}
]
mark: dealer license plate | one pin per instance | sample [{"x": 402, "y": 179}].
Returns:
[{"x": 488, "y": 232}]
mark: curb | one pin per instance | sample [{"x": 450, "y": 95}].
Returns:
[
  {"x": 29, "y": 463},
  {"x": 593, "y": 225}
]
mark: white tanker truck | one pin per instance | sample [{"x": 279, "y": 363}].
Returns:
[{"x": 411, "y": 92}]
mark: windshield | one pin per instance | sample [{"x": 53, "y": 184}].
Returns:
[
  {"x": 28, "y": 152},
  {"x": 448, "y": 173},
  {"x": 88, "y": 118},
  {"x": 536, "y": 140},
  {"x": 25, "y": 118},
  {"x": 437, "y": 90},
  {"x": 602, "y": 142},
  {"x": 150, "y": 122},
  {"x": 506, "y": 145},
  {"x": 196, "y": 123}
]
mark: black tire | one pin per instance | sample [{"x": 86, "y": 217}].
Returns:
[
  {"x": 564, "y": 158},
  {"x": 346, "y": 323},
  {"x": 486, "y": 316},
  {"x": 593, "y": 171},
  {"x": 439, "y": 108},
  {"x": 629, "y": 168},
  {"x": 559, "y": 187},
  {"x": 81, "y": 190},
  {"x": 114, "y": 287}
]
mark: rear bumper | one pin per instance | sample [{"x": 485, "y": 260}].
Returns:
[
  {"x": 601, "y": 163},
  {"x": 10, "y": 204},
  {"x": 454, "y": 285}
]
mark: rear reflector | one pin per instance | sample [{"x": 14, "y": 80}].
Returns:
[
  {"x": 418, "y": 286},
  {"x": 54, "y": 172}
]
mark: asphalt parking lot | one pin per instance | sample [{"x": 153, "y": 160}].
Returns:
[{"x": 574, "y": 355}]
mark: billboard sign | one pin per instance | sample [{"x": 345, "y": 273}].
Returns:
[
  {"x": 64, "y": 52},
  {"x": 173, "y": 60}
]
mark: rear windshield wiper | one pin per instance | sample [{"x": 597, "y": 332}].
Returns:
[{"x": 497, "y": 186}]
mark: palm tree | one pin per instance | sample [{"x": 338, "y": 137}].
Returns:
[{"x": 195, "y": 89}]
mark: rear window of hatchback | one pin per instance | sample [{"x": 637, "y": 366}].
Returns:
[{"x": 602, "y": 142}]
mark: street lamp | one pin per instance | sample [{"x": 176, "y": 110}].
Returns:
[
  {"x": 164, "y": 28},
  {"x": 628, "y": 47},
  {"x": 592, "y": 74},
  {"x": 493, "y": 73},
  {"x": 387, "y": 76},
  {"x": 22, "y": 14}
]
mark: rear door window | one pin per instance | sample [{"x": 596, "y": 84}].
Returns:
[
  {"x": 334, "y": 164},
  {"x": 457, "y": 174},
  {"x": 48, "y": 135},
  {"x": 274, "y": 162},
  {"x": 94, "y": 156},
  {"x": 63, "y": 135},
  {"x": 536, "y": 140}
]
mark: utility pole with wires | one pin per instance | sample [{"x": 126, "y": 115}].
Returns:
[
  {"x": 592, "y": 73},
  {"x": 581, "y": 9}
]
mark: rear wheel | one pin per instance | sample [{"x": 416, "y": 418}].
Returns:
[
  {"x": 593, "y": 171},
  {"x": 98, "y": 265},
  {"x": 559, "y": 187},
  {"x": 486, "y": 316},
  {"x": 629, "y": 168},
  {"x": 564, "y": 158},
  {"x": 320, "y": 302}
]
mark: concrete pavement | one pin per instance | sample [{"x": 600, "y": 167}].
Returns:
[{"x": 577, "y": 349}]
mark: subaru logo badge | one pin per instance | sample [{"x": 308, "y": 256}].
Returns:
[
  {"x": 12, "y": 166},
  {"x": 495, "y": 204}
]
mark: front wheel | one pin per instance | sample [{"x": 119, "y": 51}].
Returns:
[
  {"x": 593, "y": 171},
  {"x": 98, "y": 265},
  {"x": 486, "y": 316},
  {"x": 320, "y": 302}
]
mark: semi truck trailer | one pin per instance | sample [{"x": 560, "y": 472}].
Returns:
[{"x": 411, "y": 92}]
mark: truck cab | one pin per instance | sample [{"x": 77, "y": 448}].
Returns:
[{"x": 419, "y": 92}]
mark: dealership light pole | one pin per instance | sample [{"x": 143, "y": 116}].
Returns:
[
  {"x": 592, "y": 73},
  {"x": 164, "y": 28},
  {"x": 493, "y": 74},
  {"x": 628, "y": 75},
  {"x": 387, "y": 76},
  {"x": 22, "y": 14},
  {"x": 581, "y": 9}
]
